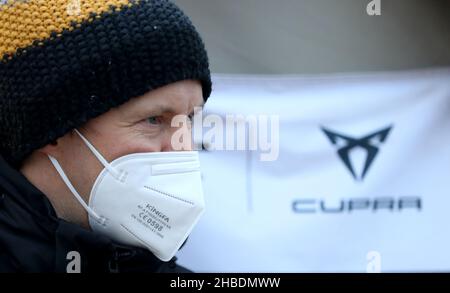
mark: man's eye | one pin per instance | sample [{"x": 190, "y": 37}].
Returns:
[{"x": 155, "y": 120}]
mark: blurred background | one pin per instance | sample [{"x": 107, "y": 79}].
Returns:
[
  {"x": 321, "y": 36},
  {"x": 350, "y": 91}
]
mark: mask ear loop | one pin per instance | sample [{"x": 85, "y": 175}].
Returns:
[
  {"x": 66, "y": 180},
  {"x": 102, "y": 160}
]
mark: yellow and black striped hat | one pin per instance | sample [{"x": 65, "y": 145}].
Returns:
[{"x": 64, "y": 62}]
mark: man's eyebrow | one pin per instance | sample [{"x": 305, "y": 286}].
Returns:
[{"x": 162, "y": 108}]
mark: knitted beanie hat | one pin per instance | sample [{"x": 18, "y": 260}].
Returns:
[{"x": 64, "y": 62}]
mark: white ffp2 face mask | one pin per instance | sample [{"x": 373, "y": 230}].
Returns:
[{"x": 150, "y": 200}]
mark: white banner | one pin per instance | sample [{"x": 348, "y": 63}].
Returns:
[{"x": 361, "y": 183}]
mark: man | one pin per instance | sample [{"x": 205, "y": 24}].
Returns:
[{"x": 89, "y": 91}]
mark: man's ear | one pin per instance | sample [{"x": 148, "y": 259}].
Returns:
[
  {"x": 56, "y": 147},
  {"x": 51, "y": 149},
  {"x": 41, "y": 155}
]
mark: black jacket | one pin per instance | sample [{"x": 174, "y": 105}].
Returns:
[{"x": 33, "y": 239}]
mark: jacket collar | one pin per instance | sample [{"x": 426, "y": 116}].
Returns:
[{"x": 35, "y": 239}]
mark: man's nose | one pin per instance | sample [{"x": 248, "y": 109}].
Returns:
[{"x": 178, "y": 139}]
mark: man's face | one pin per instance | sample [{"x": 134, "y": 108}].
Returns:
[{"x": 142, "y": 124}]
